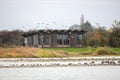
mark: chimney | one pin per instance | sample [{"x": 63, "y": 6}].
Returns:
[{"x": 82, "y": 20}]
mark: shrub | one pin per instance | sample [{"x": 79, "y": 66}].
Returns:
[{"x": 104, "y": 51}]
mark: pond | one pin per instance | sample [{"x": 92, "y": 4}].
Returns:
[{"x": 62, "y": 73}]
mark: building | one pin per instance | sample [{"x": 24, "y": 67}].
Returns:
[{"x": 54, "y": 38}]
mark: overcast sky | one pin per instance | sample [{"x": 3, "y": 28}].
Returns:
[{"x": 56, "y": 14}]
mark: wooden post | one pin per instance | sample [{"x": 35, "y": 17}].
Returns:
[
  {"x": 26, "y": 41},
  {"x": 73, "y": 40},
  {"x": 30, "y": 40},
  {"x": 35, "y": 37},
  {"x": 41, "y": 38}
]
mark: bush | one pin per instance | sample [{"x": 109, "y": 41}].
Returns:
[{"x": 104, "y": 51}]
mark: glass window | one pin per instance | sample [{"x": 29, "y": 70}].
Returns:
[
  {"x": 79, "y": 39},
  {"x": 66, "y": 39},
  {"x": 39, "y": 40},
  {"x": 46, "y": 39},
  {"x": 63, "y": 38},
  {"x": 59, "y": 39}
]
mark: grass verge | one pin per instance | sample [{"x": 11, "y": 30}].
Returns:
[{"x": 27, "y": 52}]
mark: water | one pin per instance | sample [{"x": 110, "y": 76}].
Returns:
[{"x": 62, "y": 73}]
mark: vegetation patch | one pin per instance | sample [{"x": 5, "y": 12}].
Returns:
[
  {"x": 18, "y": 52},
  {"x": 29, "y": 52},
  {"x": 89, "y": 51},
  {"x": 105, "y": 51},
  {"x": 52, "y": 53}
]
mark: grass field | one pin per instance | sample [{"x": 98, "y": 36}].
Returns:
[
  {"x": 116, "y": 49},
  {"x": 89, "y": 51},
  {"x": 56, "y": 52},
  {"x": 79, "y": 49},
  {"x": 71, "y": 49}
]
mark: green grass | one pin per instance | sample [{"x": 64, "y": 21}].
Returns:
[
  {"x": 116, "y": 49},
  {"x": 79, "y": 49},
  {"x": 87, "y": 51},
  {"x": 72, "y": 49}
]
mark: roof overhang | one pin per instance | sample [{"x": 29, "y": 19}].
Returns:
[{"x": 29, "y": 33}]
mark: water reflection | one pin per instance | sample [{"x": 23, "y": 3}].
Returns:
[{"x": 62, "y": 73}]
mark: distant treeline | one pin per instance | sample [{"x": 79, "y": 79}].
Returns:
[
  {"x": 95, "y": 37},
  {"x": 100, "y": 36},
  {"x": 11, "y": 38}
]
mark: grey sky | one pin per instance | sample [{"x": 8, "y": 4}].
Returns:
[{"x": 34, "y": 14}]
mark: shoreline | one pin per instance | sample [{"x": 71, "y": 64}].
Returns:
[
  {"x": 59, "y": 62},
  {"x": 56, "y": 66}
]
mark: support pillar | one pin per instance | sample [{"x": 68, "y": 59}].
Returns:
[
  {"x": 36, "y": 42},
  {"x": 26, "y": 41}
]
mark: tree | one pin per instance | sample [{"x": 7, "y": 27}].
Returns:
[
  {"x": 87, "y": 26},
  {"x": 88, "y": 36},
  {"x": 101, "y": 36},
  {"x": 114, "y": 38},
  {"x": 75, "y": 27},
  {"x": 10, "y": 38}
]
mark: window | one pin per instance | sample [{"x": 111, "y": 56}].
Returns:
[
  {"x": 59, "y": 39},
  {"x": 63, "y": 39},
  {"x": 66, "y": 39},
  {"x": 46, "y": 39},
  {"x": 39, "y": 38},
  {"x": 79, "y": 39}
]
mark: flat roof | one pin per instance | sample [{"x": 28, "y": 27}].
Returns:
[{"x": 53, "y": 31}]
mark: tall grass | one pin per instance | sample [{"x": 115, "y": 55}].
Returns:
[
  {"x": 29, "y": 52},
  {"x": 18, "y": 52}
]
